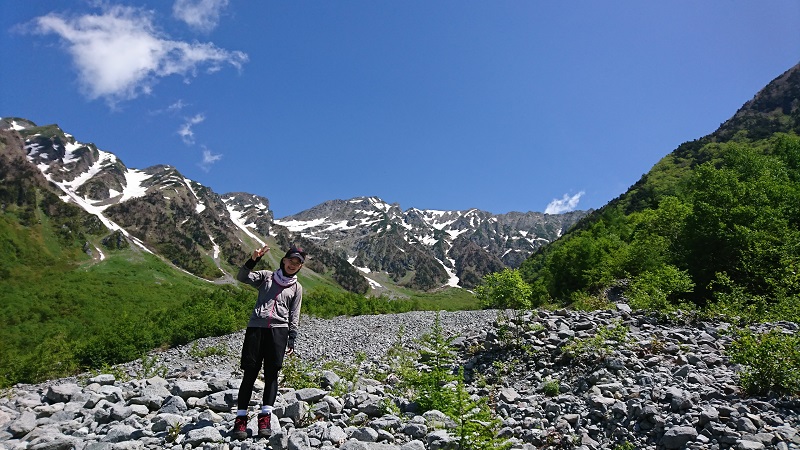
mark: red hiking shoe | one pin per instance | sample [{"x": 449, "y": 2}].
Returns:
[
  {"x": 239, "y": 431},
  {"x": 264, "y": 429}
]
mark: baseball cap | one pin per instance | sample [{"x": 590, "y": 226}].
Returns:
[{"x": 296, "y": 252}]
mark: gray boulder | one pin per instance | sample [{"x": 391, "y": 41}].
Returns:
[
  {"x": 23, "y": 425},
  {"x": 677, "y": 437},
  {"x": 62, "y": 393},
  {"x": 202, "y": 435},
  {"x": 190, "y": 388}
]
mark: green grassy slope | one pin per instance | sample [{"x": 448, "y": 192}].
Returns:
[{"x": 62, "y": 311}]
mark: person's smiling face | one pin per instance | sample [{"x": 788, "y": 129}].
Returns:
[{"x": 292, "y": 265}]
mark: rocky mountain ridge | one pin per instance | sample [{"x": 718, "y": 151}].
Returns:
[
  {"x": 465, "y": 245},
  {"x": 159, "y": 210}
]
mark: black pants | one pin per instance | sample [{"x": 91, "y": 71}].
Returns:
[{"x": 265, "y": 346}]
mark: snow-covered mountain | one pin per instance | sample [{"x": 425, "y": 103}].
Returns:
[
  {"x": 453, "y": 248},
  {"x": 160, "y": 211},
  {"x": 156, "y": 209}
]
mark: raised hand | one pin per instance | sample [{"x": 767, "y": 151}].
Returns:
[{"x": 260, "y": 252}]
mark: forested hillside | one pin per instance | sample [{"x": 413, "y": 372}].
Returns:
[{"x": 716, "y": 223}]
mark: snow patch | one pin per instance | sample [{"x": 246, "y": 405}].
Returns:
[
  {"x": 373, "y": 284},
  {"x": 216, "y": 247},
  {"x": 453, "y": 280},
  {"x": 90, "y": 172},
  {"x": 32, "y": 150},
  {"x": 341, "y": 225},
  {"x": 200, "y": 206},
  {"x": 300, "y": 225},
  {"x": 69, "y": 152},
  {"x": 236, "y": 218},
  {"x": 134, "y": 184},
  {"x": 456, "y": 233}
]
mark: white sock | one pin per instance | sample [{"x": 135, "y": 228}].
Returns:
[
  {"x": 241, "y": 412},
  {"x": 266, "y": 410}
]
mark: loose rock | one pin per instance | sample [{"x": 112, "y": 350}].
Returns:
[{"x": 669, "y": 386}]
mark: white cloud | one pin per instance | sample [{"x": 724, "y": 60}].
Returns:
[
  {"x": 566, "y": 204},
  {"x": 172, "y": 109},
  {"x": 186, "y": 132},
  {"x": 177, "y": 106},
  {"x": 202, "y": 15},
  {"x": 209, "y": 159},
  {"x": 120, "y": 55}
]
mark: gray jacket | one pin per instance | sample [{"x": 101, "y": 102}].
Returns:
[{"x": 276, "y": 307}]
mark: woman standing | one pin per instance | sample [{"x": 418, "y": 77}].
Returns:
[{"x": 270, "y": 334}]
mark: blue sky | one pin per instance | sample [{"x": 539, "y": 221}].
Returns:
[{"x": 502, "y": 105}]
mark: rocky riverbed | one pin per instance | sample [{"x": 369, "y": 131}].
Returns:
[{"x": 652, "y": 385}]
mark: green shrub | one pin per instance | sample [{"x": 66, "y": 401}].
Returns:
[
  {"x": 551, "y": 388},
  {"x": 298, "y": 374},
  {"x": 327, "y": 303},
  {"x": 707, "y": 208},
  {"x": 436, "y": 353},
  {"x": 504, "y": 290},
  {"x": 105, "y": 314},
  {"x": 152, "y": 368},
  {"x": 770, "y": 362},
  {"x": 659, "y": 289},
  {"x": 581, "y": 301},
  {"x": 625, "y": 446},
  {"x": 732, "y": 300},
  {"x": 601, "y": 344},
  {"x": 196, "y": 352},
  {"x": 476, "y": 425},
  {"x": 441, "y": 388}
]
